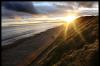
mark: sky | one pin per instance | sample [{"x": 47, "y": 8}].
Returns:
[
  {"x": 46, "y": 7},
  {"x": 42, "y": 4},
  {"x": 65, "y": 3}
]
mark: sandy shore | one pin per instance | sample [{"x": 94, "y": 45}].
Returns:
[{"x": 22, "y": 52}]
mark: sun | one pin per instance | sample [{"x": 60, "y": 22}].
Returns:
[{"x": 69, "y": 18}]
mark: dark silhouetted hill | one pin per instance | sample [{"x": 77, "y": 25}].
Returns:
[{"x": 73, "y": 51}]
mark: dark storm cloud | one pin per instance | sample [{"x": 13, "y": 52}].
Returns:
[
  {"x": 12, "y": 13},
  {"x": 20, "y": 6}
]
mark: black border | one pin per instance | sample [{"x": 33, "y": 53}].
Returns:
[{"x": 48, "y": 1}]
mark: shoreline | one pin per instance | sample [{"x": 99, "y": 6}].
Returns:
[
  {"x": 17, "y": 42},
  {"x": 8, "y": 37},
  {"x": 29, "y": 48},
  {"x": 20, "y": 37}
]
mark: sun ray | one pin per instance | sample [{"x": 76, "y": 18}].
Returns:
[
  {"x": 69, "y": 20},
  {"x": 78, "y": 31},
  {"x": 66, "y": 30}
]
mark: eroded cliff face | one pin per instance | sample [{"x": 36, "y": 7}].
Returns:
[{"x": 76, "y": 50}]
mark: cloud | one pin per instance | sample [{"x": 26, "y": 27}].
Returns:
[
  {"x": 75, "y": 5},
  {"x": 12, "y": 13},
  {"x": 88, "y": 4},
  {"x": 19, "y": 6}
]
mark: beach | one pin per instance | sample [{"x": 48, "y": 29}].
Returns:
[{"x": 56, "y": 46}]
